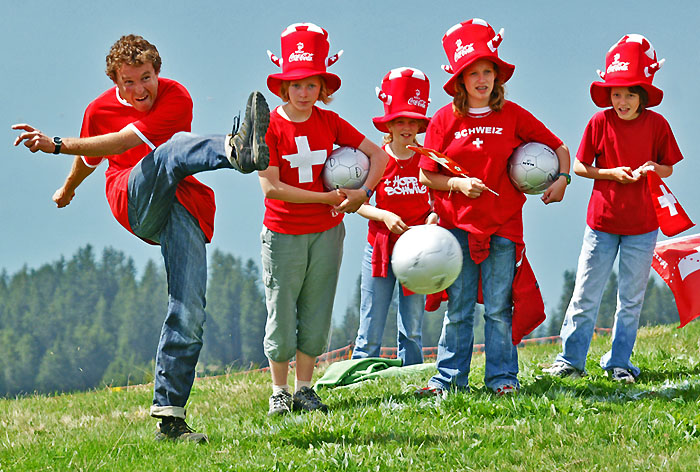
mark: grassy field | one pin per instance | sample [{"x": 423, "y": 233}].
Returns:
[{"x": 552, "y": 425}]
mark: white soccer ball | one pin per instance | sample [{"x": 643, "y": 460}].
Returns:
[
  {"x": 426, "y": 259},
  {"x": 533, "y": 167},
  {"x": 346, "y": 167}
]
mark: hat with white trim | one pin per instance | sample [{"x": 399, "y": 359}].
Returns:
[
  {"x": 629, "y": 62},
  {"x": 405, "y": 93},
  {"x": 304, "y": 54},
  {"x": 469, "y": 41}
]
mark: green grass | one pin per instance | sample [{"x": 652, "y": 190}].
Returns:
[{"x": 552, "y": 425}]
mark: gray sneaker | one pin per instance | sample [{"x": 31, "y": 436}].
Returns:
[
  {"x": 280, "y": 403},
  {"x": 246, "y": 148},
  {"x": 306, "y": 399},
  {"x": 618, "y": 374},
  {"x": 562, "y": 369},
  {"x": 175, "y": 429}
]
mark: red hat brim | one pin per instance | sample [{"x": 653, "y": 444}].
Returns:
[
  {"x": 381, "y": 121},
  {"x": 505, "y": 72},
  {"x": 275, "y": 80},
  {"x": 600, "y": 92}
]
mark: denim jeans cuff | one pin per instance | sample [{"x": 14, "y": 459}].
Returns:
[{"x": 161, "y": 411}]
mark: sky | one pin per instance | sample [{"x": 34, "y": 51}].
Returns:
[{"x": 53, "y": 57}]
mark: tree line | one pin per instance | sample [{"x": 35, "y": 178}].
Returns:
[{"x": 85, "y": 322}]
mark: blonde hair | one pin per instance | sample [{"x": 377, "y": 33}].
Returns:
[
  {"x": 460, "y": 103},
  {"x": 323, "y": 95},
  {"x": 134, "y": 51}
]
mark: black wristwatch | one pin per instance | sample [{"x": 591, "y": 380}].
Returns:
[
  {"x": 58, "y": 142},
  {"x": 368, "y": 191}
]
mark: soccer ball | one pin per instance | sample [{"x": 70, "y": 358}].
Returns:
[
  {"x": 346, "y": 167},
  {"x": 533, "y": 167},
  {"x": 426, "y": 259}
]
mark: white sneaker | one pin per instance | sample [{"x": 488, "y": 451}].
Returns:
[
  {"x": 618, "y": 374},
  {"x": 562, "y": 369}
]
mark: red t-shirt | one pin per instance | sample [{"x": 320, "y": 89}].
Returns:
[
  {"x": 400, "y": 192},
  {"x": 171, "y": 113},
  {"x": 481, "y": 145},
  {"x": 610, "y": 142},
  {"x": 300, "y": 151}
]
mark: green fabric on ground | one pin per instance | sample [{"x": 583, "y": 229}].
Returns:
[{"x": 353, "y": 371}]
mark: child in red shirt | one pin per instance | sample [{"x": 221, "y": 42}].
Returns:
[
  {"x": 618, "y": 146},
  {"x": 302, "y": 237},
  {"x": 401, "y": 201}
]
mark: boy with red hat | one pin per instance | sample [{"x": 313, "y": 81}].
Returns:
[
  {"x": 619, "y": 146},
  {"x": 303, "y": 231},
  {"x": 479, "y": 130},
  {"x": 401, "y": 201}
]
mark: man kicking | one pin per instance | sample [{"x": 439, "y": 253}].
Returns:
[{"x": 141, "y": 126}]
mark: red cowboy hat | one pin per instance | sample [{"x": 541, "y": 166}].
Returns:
[
  {"x": 468, "y": 42},
  {"x": 629, "y": 62},
  {"x": 405, "y": 93},
  {"x": 304, "y": 54}
]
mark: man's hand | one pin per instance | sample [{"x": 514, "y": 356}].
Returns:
[
  {"x": 62, "y": 197},
  {"x": 34, "y": 139}
]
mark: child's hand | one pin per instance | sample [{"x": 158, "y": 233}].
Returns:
[
  {"x": 334, "y": 197},
  {"x": 354, "y": 198},
  {"x": 642, "y": 170},
  {"x": 432, "y": 219},
  {"x": 394, "y": 223},
  {"x": 555, "y": 192},
  {"x": 469, "y": 186},
  {"x": 623, "y": 174}
]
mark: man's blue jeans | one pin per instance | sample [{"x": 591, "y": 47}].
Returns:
[
  {"x": 595, "y": 263},
  {"x": 376, "y": 296},
  {"x": 457, "y": 338},
  {"x": 155, "y": 214}
]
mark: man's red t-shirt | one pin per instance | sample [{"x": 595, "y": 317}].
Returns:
[{"x": 170, "y": 114}]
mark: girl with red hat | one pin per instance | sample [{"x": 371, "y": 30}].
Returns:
[
  {"x": 401, "y": 201},
  {"x": 619, "y": 146},
  {"x": 303, "y": 231},
  {"x": 479, "y": 130}
]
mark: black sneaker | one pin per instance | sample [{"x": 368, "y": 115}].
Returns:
[
  {"x": 246, "y": 145},
  {"x": 306, "y": 399},
  {"x": 280, "y": 403},
  {"x": 175, "y": 429}
]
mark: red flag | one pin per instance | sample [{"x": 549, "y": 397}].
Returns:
[
  {"x": 677, "y": 261},
  {"x": 672, "y": 218},
  {"x": 444, "y": 160}
]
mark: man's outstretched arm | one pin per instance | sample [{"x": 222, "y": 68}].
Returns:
[{"x": 96, "y": 146}]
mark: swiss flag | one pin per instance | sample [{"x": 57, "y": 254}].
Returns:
[
  {"x": 677, "y": 261},
  {"x": 672, "y": 218}
]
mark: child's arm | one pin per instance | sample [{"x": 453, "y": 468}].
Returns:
[
  {"x": 392, "y": 221},
  {"x": 555, "y": 192},
  {"x": 661, "y": 169},
  {"x": 273, "y": 188},
  {"x": 354, "y": 198},
  {"x": 623, "y": 174},
  {"x": 469, "y": 186}
]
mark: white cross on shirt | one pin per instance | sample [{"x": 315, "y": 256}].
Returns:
[
  {"x": 477, "y": 142},
  {"x": 305, "y": 159},
  {"x": 667, "y": 200}
]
